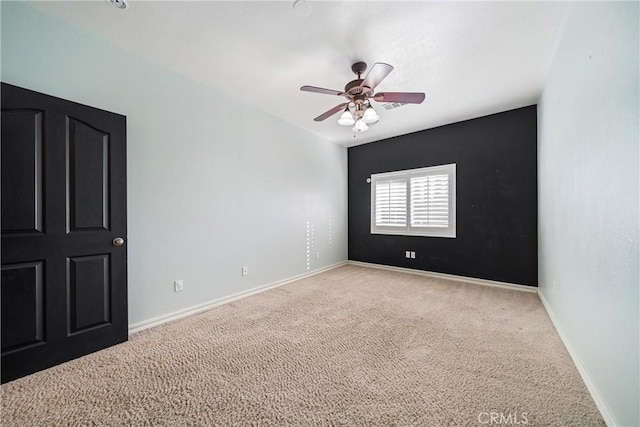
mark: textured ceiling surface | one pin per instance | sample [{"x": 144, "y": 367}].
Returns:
[{"x": 470, "y": 58}]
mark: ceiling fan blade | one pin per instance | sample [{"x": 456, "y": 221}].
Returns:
[
  {"x": 404, "y": 97},
  {"x": 331, "y": 112},
  {"x": 376, "y": 74},
  {"x": 321, "y": 90}
]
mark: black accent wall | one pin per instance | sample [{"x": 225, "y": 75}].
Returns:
[{"x": 496, "y": 198}]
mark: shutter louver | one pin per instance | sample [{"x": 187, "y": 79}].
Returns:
[
  {"x": 430, "y": 201},
  {"x": 391, "y": 203}
]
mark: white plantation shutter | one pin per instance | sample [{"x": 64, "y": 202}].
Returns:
[
  {"x": 430, "y": 201},
  {"x": 415, "y": 202},
  {"x": 391, "y": 203}
]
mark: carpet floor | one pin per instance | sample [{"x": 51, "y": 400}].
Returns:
[{"x": 353, "y": 346}]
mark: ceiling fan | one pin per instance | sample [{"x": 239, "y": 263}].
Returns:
[{"x": 359, "y": 92}]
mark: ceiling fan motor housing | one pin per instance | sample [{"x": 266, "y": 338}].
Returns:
[{"x": 354, "y": 90}]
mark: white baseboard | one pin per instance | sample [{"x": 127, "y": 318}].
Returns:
[
  {"x": 190, "y": 311},
  {"x": 593, "y": 390},
  {"x": 472, "y": 280}
]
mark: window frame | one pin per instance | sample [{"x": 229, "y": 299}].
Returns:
[{"x": 408, "y": 230}]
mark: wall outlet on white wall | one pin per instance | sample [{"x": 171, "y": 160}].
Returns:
[
  {"x": 317, "y": 255},
  {"x": 245, "y": 270},
  {"x": 178, "y": 285}
]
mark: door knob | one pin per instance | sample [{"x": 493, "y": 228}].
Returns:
[{"x": 118, "y": 241}]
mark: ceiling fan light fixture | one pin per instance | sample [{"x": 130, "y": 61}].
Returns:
[
  {"x": 360, "y": 126},
  {"x": 346, "y": 119},
  {"x": 370, "y": 116}
]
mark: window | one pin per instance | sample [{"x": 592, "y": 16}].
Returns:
[{"x": 415, "y": 202}]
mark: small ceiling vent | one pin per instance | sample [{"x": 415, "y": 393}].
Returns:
[
  {"x": 120, "y": 4},
  {"x": 393, "y": 105}
]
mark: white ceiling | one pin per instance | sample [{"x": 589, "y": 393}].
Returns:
[{"x": 470, "y": 58}]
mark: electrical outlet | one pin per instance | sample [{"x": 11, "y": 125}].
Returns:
[
  {"x": 178, "y": 285},
  {"x": 245, "y": 270},
  {"x": 407, "y": 254},
  {"x": 317, "y": 255},
  {"x": 413, "y": 255}
]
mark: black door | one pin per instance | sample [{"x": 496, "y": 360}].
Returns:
[{"x": 64, "y": 277}]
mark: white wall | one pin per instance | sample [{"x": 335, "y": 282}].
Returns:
[
  {"x": 588, "y": 200},
  {"x": 213, "y": 184}
]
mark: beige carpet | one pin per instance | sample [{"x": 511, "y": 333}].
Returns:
[{"x": 353, "y": 346}]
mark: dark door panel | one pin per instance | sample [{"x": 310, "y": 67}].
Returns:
[
  {"x": 22, "y": 304},
  {"x": 87, "y": 177},
  {"x": 89, "y": 290},
  {"x": 22, "y": 146},
  {"x": 64, "y": 283}
]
